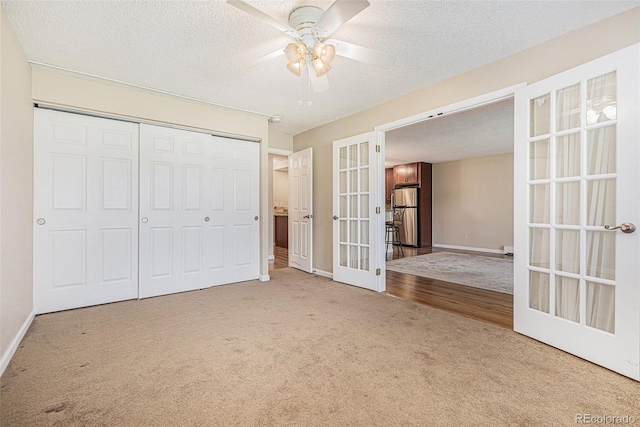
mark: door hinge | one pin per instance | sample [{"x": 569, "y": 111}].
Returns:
[
  {"x": 377, "y": 209},
  {"x": 377, "y": 148},
  {"x": 377, "y": 271}
]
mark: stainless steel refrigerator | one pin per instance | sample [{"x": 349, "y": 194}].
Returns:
[{"x": 407, "y": 197}]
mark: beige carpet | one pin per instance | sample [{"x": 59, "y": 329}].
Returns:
[{"x": 298, "y": 350}]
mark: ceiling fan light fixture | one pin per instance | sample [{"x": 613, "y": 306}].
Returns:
[
  {"x": 325, "y": 52},
  {"x": 295, "y": 51},
  {"x": 320, "y": 67},
  {"x": 296, "y": 67}
]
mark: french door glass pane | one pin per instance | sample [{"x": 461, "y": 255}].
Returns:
[
  {"x": 353, "y": 231},
  {"x": 601, "y": 306},
  {"x": 601, "y": 150},
  {"x": 353, "y": 256},
  {"x": 601, "y": 254},
  {"x": 539, "y": 252},
  {"x": 353, "y": 206},
  {"x": 364, "y": 232},
  {"x": 601, "y": 202},
  {"x": 568, "y": 155},
  {"x": 568, "y": 298},
  {"x": 343, "y": 231},
  {"x": 539, "y": 291},
  {"x": 601, "y": 99},
  {"x": 353, "y": 156},
  {"x": 540, "y": 114},
  {"x": 568, "y": 251},
  {"x": 364, "y": 179},
  {"x": 568, "y": 203},
  {"x": 364, "y": 206},
  {"x": 343, "y": 207},
  {"x": 343, "y": 157},
  {"x": 539, "y": 159},
  {"x": 568, "y": 108},
  {"x": 539, "y": 208},
  {"x": 364, "y": 258},
  {"x": 343, "y": 182},
  {"x": 343, "y": 255},
  {"x": 364, "y": 154}
]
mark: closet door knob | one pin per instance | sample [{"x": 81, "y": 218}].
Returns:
[
  {"x": 41, "y": 221},
  {"x": 206, "y": 219},
  {"x": 144, "y": 220}
]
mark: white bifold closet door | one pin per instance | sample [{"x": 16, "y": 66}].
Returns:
[
  {"x": 85, "y": 211},
  {"x": 199, "y": 205}
]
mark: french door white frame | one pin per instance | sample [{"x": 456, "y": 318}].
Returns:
[{"x": 457, "y": 107}]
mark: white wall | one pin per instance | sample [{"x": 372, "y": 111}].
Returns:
[
  {"x": 474, "y": 198},
  {"x": 16, "y": 191}
]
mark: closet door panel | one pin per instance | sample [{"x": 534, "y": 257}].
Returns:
[
  {"x": 174, "y": 200},
  {"x": 85, "y": 211}
]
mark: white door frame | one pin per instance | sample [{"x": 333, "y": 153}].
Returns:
[{"x": 456, "y": 107}]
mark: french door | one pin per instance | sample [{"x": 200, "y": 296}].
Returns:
[
  {"x": 85, "y": 235},
  {"x": 356, "y": 207},
  {"x": 301, "y": 209},
  {"x": 577, "y": 202}
]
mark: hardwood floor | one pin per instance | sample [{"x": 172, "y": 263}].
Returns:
[
  {"x": 479, "y": 304},
  {"x": 281, "y": 258}
]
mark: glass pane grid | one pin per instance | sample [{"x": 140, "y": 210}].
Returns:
[{"x": 581, "y": 187}]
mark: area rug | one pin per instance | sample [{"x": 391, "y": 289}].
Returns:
[{"x": 494, "y": 274}]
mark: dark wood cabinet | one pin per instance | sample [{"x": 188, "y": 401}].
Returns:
[
  {"x": 390, "y": 182},
  {"x": 281, "y": 231},
  {"x": 407, "y": 174}
]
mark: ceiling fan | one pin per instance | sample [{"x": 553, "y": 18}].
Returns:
[{"x": 311, "y": 26}]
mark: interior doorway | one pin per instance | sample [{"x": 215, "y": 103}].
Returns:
[
  {"x": 463, "y": 160},
  {"x": 279, "y": 201}
]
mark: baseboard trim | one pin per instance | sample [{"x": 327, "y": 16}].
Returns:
[
  {"x": 8, "y": 354},
  {"x": 323, "y": 273},
  {"x": 264, "y": 277},
  {"x": 271, "y": 257},
  {"x": 468, "y": 248}
]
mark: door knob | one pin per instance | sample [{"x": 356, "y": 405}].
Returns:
[
  {"x": 625, "y": 227},
  {"x": 255, "y": 218},
  {"x": 144, "y": 220},
  {"x": 206, "y": 219},
  {"x": 308, "y": 216},
  {"x": 335, "y": 217},
  {"x": 41, "y": 221}
]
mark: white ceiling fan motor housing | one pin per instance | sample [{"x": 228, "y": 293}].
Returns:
[{"x": 303, "y": 20}]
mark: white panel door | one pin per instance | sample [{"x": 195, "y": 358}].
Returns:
[
  {"x": 233, "y": 232},
  {"x": 174, "y": 200},
  {"x": 356, "y": 219},
  {"x": 85, "y": 211},
  {"x": 576, "y": 177},
  {"x": 301, "y": 210}
]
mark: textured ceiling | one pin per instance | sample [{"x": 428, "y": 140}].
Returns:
[
  {"x": 203, "y": 49},
  {"x": 483, "y": 131}
]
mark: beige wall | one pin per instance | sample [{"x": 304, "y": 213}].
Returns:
[
  {"x": 16, "y": 187},
  {"x": 530, "y": 65},
  {"x": 280, "y": 141},
  {"x": 74, "y": 91},
  {"x": 474, "y": 197},
  {"x": 280, "y": 188}
]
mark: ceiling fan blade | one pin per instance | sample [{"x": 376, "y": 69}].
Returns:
[
  {"x": 266, "y": 58},
  {"x": 364, "y": 54},
  {"x": 320, "y": 84},
  {"x": 339, "y": 13},
  {"x": 264, "y": 17}
]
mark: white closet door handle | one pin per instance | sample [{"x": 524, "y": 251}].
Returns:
[{"x": 144, "y": 220}]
